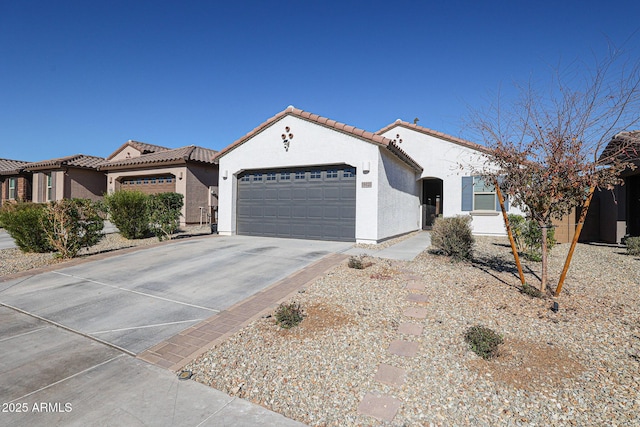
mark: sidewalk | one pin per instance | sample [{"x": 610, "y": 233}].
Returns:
[{"x": 405, "y": 250}]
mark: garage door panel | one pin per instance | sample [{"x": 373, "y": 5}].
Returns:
[{"x": 316, "y": 206}]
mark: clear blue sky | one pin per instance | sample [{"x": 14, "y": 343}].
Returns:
[{"x": 86, "y": 76}]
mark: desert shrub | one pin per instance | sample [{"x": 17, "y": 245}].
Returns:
[
  {"x": 528, "y": 237},
  {"x": 633, "y": 245},
  {"x": 453, "y": 236},
  {"x": 288, "y": 315},
  {"x": 164, "y": 213},
  {"x": 24, "y": 223},
  {"x": 128, "y": 210},
  {"x": 71, "y": 225},
  {"x": 483, "y": 341},
  {"x": 356, "y": 262}
]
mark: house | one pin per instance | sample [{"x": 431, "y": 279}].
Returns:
[
  {"x": 15, "y": 182},
  {"x": 152, "y": 169},
  {"x": 301, "y": 175},
  {"x": 447, "y": 186},
  {"x": 68, "y": 177},
  {"x": 615, "y": 213}
]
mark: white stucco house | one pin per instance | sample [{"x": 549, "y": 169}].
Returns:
[{"x": 301, "y": 175}]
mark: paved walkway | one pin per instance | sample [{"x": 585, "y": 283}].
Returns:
[
  {"x": 405, "y": 250},
  {"x": 385, "y": 406}
]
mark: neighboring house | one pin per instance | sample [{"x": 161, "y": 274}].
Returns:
[
  {"x": 305, "y": 176},
  {"x": 68, "y": 177},
  {"x": 15, "y": 182},
  {"x": 152, "y": 169},
  {"x": 615, "y": 213}
]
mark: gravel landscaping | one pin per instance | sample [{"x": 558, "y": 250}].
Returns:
[{"x": 579, "y": 366}]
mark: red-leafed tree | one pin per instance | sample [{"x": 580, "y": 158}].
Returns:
[{"x": 546, "y": 147}]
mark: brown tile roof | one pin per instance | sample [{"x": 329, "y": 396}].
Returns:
[
  {"x": 435, "y": 133},
  {"x": 11, "y": 167},
  {"x": 624, "y": 146},
  {"x": 142, "y": 147},
  {"x": 180, "y": 155},
  {"x": 332, "y": 124},
  {"x": 81, "y": 161}
]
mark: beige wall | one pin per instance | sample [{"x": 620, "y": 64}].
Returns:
[
  {"x": 127, "y": 153},
  {"x": 84, "y": 184}
]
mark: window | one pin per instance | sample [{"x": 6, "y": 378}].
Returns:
[
  {"x": 257, "y": 177},
  {"x": 12, "y": 188},
  {"x": 332, "y": 173},
  {"x": 145, "y": 180},
  {"x": 285, "y": 176},
  {"x": 315, "y": 175},
  {"x": 49, "y": 187},
  {"x": 153, "y": 180},
  {"x": 244, "y": 178},
  {"x": 139, "y": 181},
  {"x": 484, "y": 196},
  {"x": 349, "y": 173},
  {"x": 161, "y": 180},
  {"x": 169, "y": 179},
  {"x": 300, "y": 175},
  {"x": 271, "y": 176}
]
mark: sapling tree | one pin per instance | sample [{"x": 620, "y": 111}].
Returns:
[{"x": 546, "y": 147}]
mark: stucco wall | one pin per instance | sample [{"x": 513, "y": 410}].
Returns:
[
  {"x": 449, "y": 162},
  {"x": 312, "y": 144},
  {"x": 126, "y": 153},
  {"x": 199, "y": 179},
  {"x": 399, "y": 200},
  {"x": 85, "y": 184}
]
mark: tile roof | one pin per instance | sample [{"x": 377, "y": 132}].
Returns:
[
  {"x": 436, "y": 134},
  {"x": 190, "y": 153},
  {"x": 11, "y": 167},
  {"x": 624, "y": 146},
  {"x": 332, "y": 124},
  {"x": 76, "y": 161},
  {"x": 142, "y": 147}
]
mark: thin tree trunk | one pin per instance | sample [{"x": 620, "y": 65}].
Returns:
[
  {"x": 543, "y": 284},
  {"x": 505, "y": 217}
]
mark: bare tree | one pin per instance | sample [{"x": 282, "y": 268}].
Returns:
[{"x": 546, "y": 147}]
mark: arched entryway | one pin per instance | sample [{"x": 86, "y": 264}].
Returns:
[{"x": 431, "y": 201}]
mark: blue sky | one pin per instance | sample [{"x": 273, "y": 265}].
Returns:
[{"x": 86, "y": 76}]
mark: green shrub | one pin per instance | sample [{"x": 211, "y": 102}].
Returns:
[
  {"x": 24, "y": 223},
  {"x": 71, "y": 225},
  {"x": 633, "y": 245},
  {"x": 128, "y": 210},
  {"x": 288, "y": 315},
  {"x": 164, "y": 213},
  {"x": 528, "y": 237},
  {"x": 483, "y": 341},
  {"x": 453, "y": 236}
]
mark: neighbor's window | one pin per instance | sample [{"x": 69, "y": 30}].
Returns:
[
  {"x": 484, "y": 195},
  {"x": 49, "y": 187},
  {"x": 12, "y": 188}
]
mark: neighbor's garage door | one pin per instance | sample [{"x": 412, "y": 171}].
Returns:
[{"x": 311, "y": 203}]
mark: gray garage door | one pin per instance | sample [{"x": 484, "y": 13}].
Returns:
[{"x": 308, "y": 203}]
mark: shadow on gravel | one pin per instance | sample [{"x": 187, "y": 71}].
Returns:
[{"x": 495, "y": 264}]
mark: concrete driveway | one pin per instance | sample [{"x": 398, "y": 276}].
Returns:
[
  {"x": 131, "y": 302},
  {"x": 136, "y": 300}
]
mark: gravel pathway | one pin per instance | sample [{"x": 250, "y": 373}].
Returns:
[{"x": 579, "y": 366}]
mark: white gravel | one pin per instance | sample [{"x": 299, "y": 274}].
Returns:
[{"x": 580, "y": 366}]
